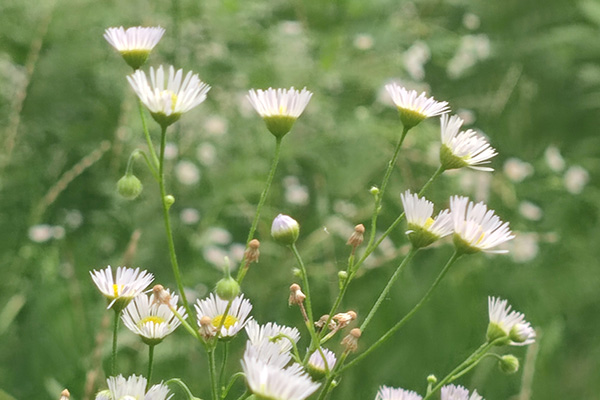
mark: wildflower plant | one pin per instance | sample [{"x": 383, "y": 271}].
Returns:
[{"x": 272, "y": 365}]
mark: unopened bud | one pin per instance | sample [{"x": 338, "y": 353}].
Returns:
[
  {"x": 321, "y": 322},
  {"x": 297, "y": 272},
  {"x": 161, "y": 295},
  {"x": 431, "y": 379},
  {"x": 351, "y": 340},
  {"x": 508, "y": 364},
  {"x": 357, "y": 236},
  {"x": 65, "y": 395},
  {"x": 207, "y": 329},
  {"x": 252, "y": 251},
  {"x": 285, "y": 230},
  {"x": 374, "y": 191},
  {"x": 296, "y": 295},
  {"x": 343, "y": 319},
  {"x": 227, "y": 288},
  {"x": 129, "y": 187},
  {"x": 169, "y": 200}
]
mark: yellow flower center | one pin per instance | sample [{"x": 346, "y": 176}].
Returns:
[
  {"x": 428, "y": 223},
  {"x": 155, "y": 319},
  {"x": 282, "y": 110},
  {"x": 117, "y": 289},
  {"x": 173, "y": 96},
  {"x": 230, "y": 320}
]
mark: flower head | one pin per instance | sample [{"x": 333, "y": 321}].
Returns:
[
  {"x": 320, "y": 362},
  {"x": 279, "y": 108},
  {"x": 152, "y": 320},
  {"x": 261, "y": 334},
  {"x": 134, "y": 44},
  {"x": 120, "y": 290},
  {"x": 168, "y": 98},
  {"x": 134, "y": 388},
  {"x": 285, "y": 229},
  {"x": 476, "y": 228},
  {"x": 214, "y": 308},
  {"x": 465, "y": 148},
  {"x": 508, "y": 324},
  {"x": 422, "y": 229},
  {"x": 272, "y": 382},
  {"x": 451, "y": 392},
  {"x": 390, "y": 393},
  {"x": 414, "y": 109}
]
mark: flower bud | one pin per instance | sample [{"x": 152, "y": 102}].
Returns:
[
  {"x": 129, "y": 186},
  {"x": 508, "y": 364},
  {"x": 227, "y": 288},
  {"x": 321, "y": 322},
  {"x": 351, "y": 340},
  {"x": 374, "y": 191},
  {"x": 431, "y": 379},
  {"x": 296, "y": 295},
  {"x": 285, "y": 230},
  {"x": 65, "y": 395},
  {"x": 161, "y": 296},
  {"x": 357, "y": 236},
  {"x": 207, "y": 329},
  {"x": 169, "y": 199},
  {"x": 252, "y": 252}
]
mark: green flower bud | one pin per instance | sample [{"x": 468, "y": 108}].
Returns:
[
  {"x": 431, "y": 379},
  {"x": 374, "y": 191},
  {"x": 508, "y": 364},
  {"x": 129, "y": 186},
  {"x": 169, "y": 200},
  {"x": 285, "y": 230},
  {"x": 297, "y": 272},
  {"x": 227, "y": 288}
]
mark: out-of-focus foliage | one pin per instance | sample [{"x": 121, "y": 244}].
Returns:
[{"x": 526, "y": 74}]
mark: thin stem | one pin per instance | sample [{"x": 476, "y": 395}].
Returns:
[
  {"x": 437, "y": 173},
  {"x": 183, "y": 386},
  {"x": 327, "y": 386},
  {"x": 295, "y": 352},
  {"x": 387, "y": 288},
  {"x": 184, "y": 323},
  {"x": 113, "y": 365},
  {"x": 150, "y": 363},
  {"x": 171, "y": 243},
  {"x": 244, "y": 395},
  {"x": 408, "y": 316},
  {"x": 150, "y": 166},
  {"x": 225, "y": 355},
  {"x": 147, "y": 134},
  {"x": 261, "y": 202},
  {"x": 212, "y": 368},
  {"x": 232, "y": 380}
]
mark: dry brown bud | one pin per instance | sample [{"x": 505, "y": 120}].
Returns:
[
  {"x": 207, "y": 329},
  {"x": 357, "y": 236},
  {"x": 296, "y": 295},
  {"x": 351, "y": 340},
  {"x": 252, "y": 252},
  {"x": 343, "y": 319},
  {"x": 161, "y": 295},
  {"x": 65, "y": 395},
  {"x": 321, "y": 322}
]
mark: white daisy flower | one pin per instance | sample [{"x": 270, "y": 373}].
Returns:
[
  {"x": 150, "y": 319},
  {"x": 422, "y": 229},
  {"x": 451, "y": 392},
  {"x": 415, "y": 108},
  {"x": 103, "y": 395},
  {"x": 279, "y": 108},
  {"x": 268, "y": 353},
  {"x": 476, "y": 228},
  {"x": 168, "y": 98},
  {"x": 258, "y": 335},
  {"x": 121, "y": 289},
  {"x": 214, "y": 308},
  {"x": 465, "y": 148},
  {"x": 272, "y": 382},
  {"x": 133, "y": 388},
  {"x": 134, "y": 44},
  {"x": 390, "y": 393},
  {"x": 507, "y": 323},
  {"x": 317, "y": 366}
]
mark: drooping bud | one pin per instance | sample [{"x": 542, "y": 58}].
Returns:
[
  {"x": 285, "y": 230},
  {"x": 296, "y": 295},
  {"x": 431, "y": 379},
  {"x": 321, "y": 322},
  {"x": 129, "y": 186},
  {"x": 207, "y": 329},
  {"x": 161, "y": 296},
  {"x": 357, "y": 236},
  {"x": 508, "y": 364},
  {"x": 343, "y": 319},
  {"x": 351, "y": 340},
  {"x": 252, "y": 251}
]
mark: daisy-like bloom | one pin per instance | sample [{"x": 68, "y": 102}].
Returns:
[
  {"x": 415, "y": 108},
  {"x": 422, "y": 228},
  {"x": 464, "y": 148},
  {"x": 121, "y": 289},
  {"x": 150, "y": 319},
  {"x": 508, "y": 324},
  {"x": 274, "y": 383},
  {"x": 214, "y": 308},
  {"x": 476, "y": 228},
  {"x": 285, "y": 229},
  {"x": 258, "y": 335},
  {"x": 133, "y": 388},
  {"x": 134, "y": 44},
  {"x": 168, "y": 97},
  {"x": 317, "y": 366},
  {"x": 451, "y": 392},
  {"x": 103, "y": 395},
  {"x": 390, "y": 393},
  {"x": 268, "y": 353},
  {"x": 279, "y": 108}
]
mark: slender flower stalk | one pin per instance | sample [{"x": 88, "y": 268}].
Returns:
[{"x": 464, "y": 148}]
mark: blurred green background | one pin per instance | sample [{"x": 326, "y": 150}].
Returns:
[{"x": 524, "y": 73}]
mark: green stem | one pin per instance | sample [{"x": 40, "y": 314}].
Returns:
[
  {"x": 147, "y": 135},
  {"x": 327, "y": 386},
  {"x": 212, "y": 368},
  {"x": 184, "y": 323},
  {"x": 387, "y": 288},
  {"x": 261, "y": 202},
  {"x": 408, "y": 316},
  {"x": 225, "y": 355},
  {"x": 150, "y": 364},
  {"x": 113, "y": 364},
  {"x": 244, "y": 395},
  {"x": 295, "y": 353},
  {"x": 171, "y": 243},
  {"x": 183, "y": 386},
  {"x": 150, "y": 166},
  {"x": 435, "y": 175},
  {"x": 232, "y": 380}
]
